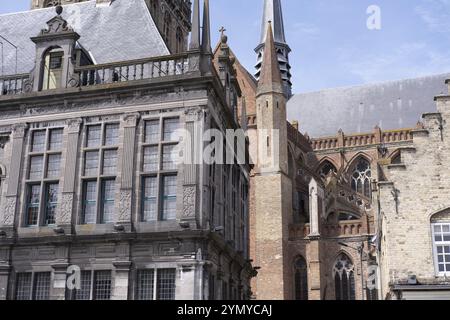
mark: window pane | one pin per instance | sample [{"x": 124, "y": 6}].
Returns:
[
  {"x": 145, "y": 284},
  {"x": 150, "y": 159},
  {"x": 23, "y": 286},
  {"x": 170, "y": 127},
  {"x": 36, "y": 167},
  {"x": 111, "y": 134},
  {"x": 53, "y": 166},
  {"x": 437, "y": 228},
  {"x": 38, "y": 144},
  {"x": 108, "y": 194},
  {"x": 446, "y": 228},
  {"x": 90, "y": 202},
  {"x": 169, "y": 198},
  {"x": 152, "y": 131},
  {"x": 165, "y": 289},
  {"x": 102, "y": 285},
  {"x": 51, "y": 194},
  {"x": 109, "y": 162},
  {"x": 34, "y": 199},
  {"x": 150, "y": 199},
  {"x": 91, "y": 163},
  {"x": 94, "y": 136},
  {"x": 41, "y": 286},
  {"x": 85, "y": 287},
  {"x": 170, "y": 157},
  {"x": 56, "y": 137}
]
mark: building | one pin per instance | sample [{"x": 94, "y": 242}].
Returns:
[{"x": 90, "y": 184}]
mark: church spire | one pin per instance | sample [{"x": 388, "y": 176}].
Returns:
[{"x": 273, "y": 12}]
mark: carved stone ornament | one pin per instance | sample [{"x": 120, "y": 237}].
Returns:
[
  {"x": 125, "y": 205},
  {"x": 73, "y": 125},
  {"x": 9, "y": 210},
  {"x": 56, "y": 25},
  {"x": 130, "y": 119},
  {"x": 65, "y": 212},
  {"x": 193, "y": 114},
  {"x": 189, "y": 195},
  {"x": 19, "y": 130}
]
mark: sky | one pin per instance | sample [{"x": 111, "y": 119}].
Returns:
[{"x": 330, "y": 41}]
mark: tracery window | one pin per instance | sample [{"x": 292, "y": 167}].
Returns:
[
  {"x": 344, "y": 278},
  {"x": 361, "y": 176},
  {"x": 327, "y": 168},
  {"x": 301, "y": 279}
]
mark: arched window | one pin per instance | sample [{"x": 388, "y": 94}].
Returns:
[
  {"x": 344, "y": 278},
  {"x": 301, "y": 279},
  {"x": 52, "y": 3},
  {"x": 167, "y": 25},
  {"x": 361, "y": 176},
  {"x": 52, "y": 69},
  {"x": 440, "y": 224},
  {"x": 326, "y": 168},
  {"x": 179, "y": 36}
]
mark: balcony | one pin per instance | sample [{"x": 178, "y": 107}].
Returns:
[{"x": 16, "y": 84}]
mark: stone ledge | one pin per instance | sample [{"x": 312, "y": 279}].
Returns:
[{"x": 399, "y": 166}]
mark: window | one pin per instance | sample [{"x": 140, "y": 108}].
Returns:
[
  {"x": 99, "y": 173},
  {"x": 167, "y": 25},
  {"x": 344, "y": 278},
  {"x": 441, "y": 244},
  {"x": 94, "y": 285},
  {"x": 165, "y": 284},
  {"x": 102, "y": 285},
  {"x": 361, "y": 178},
  {"x": 159, "y": 170},
  {"x": 53, "y": 63},
  {"x": 301, "y": 279},
  {"x": 31, "y": 286},
  {"x": 327, "y": 168},
  {"x": 44, "y": 170}
]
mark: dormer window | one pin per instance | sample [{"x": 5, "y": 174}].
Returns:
[{"x": 53, "y": 64}]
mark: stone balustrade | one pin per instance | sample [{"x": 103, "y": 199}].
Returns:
[{"x": 13, "y": 85}]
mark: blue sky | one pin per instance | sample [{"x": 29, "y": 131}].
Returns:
[{"x": 331, "y": 44}]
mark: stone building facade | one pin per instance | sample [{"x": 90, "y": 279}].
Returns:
[{"x": 90, "y": 182}]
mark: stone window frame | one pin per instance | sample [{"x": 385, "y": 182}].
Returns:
[
  {"x": 364, "y": 177},
  {"x": 99, "y": 178},
  {"x": 300, "y": 271},
  {"x": 33, "y": 284},
  {"x": 155, "y": 282},
  {"x": 43, "y": 181},
  {"x": 93, "y": 275},
  {"x": 443, "y": 225},
  {"x": 349, "y": 269},
  {"x": 160, "y": 173}
]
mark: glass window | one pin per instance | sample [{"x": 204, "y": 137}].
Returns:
[
  {"x": 170, "y": 157},
  {"x": 170, "y": 129},
  {"x": 150, "y": 199},
  {"x": 94, "y": 136},
  {"x": 54, "y": 165},
  {"x": 102, "y": 285},
  {"x": 344, "y": 278},
  {"x": 301, "y": 279},
  {"x": 36, "y": 167},
  {"x": 23, "y": 286},
  {"x": 145, "y": 284},
  {"x": 152, "y": 131},
  {"x": 108, "y": 194},
  {"x": 169, "y": 198},
  {"x": 165, "y": 289},
  {"x": 111, "y": 134},
  {"x": 38, "y": 144},
  {"x": 85, "y": 286},
  {"x": 441, "y": 236},
  {"x": 52, "y": 202},
  {"x": 56, "y": 137},
  {"x": 109, "y": 162},
  {"x": 90, "y": 202},
  {"x": 150, "y": 159},
  {"x": 34, "y": 199},
  {"x": 91, "y": 163},
  {"x": 361, "y": 178},
  {"x": 41, "y": 290}
]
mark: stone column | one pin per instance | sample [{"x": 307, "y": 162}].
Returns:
[
  {"x": 64, "y": 214},
  {"x": 4, "y": 279},
  {"x": 129, "y": 123},
  {"x": 121, "y": 280},
  {"x": 8, "y": 211},
  {"x": 58, "y": 291},
  {"x": 315, "y": 206}
]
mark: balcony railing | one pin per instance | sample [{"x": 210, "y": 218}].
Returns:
[
  {"x": 12, "y": 85},
  {"x": 132, "y": 70}
]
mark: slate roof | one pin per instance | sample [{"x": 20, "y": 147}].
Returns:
[
  {"x": 123, "y": 30},
  {"x": 390, "y": 105}
]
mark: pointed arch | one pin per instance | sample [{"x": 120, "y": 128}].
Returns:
[
  {"x": 300, "y": 278},
  {"x": 360, "y": 172},
  {"x": 326, "y": 166},
  {"x": 344, "y": 277},
  {"x": 395, "y": 157}
]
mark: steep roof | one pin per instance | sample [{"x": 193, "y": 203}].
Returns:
[
  {"x": 390, "y": 105},
  {"x": 273, "y": 12},
  {"x": 123, "y": 30}
]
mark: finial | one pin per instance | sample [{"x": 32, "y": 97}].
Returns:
[
  {"x": 223, "y": 37},
  {"x": 59, "y": 10}
]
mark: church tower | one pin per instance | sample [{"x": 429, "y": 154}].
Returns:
[
  {"x": 273, "y": 12},
  {"x": 273, "y": 187},
  {"x": 173, "y": 18}
]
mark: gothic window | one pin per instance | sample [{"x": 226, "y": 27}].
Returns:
[
  {"x": 159, "y": 169},
  {"x": 301, "y": 279},
  {"x": 42, "y": 180},
  {"x": 344, "y": 278},
  {"x": 440, "y": 225},
  {"x": 52, "y": 70},
  {"x": 361, "y": 176},
  {"x": 99, "y": 173},
  {"x": 326, "y": 168},
  {"x": 52, "y": 3}
]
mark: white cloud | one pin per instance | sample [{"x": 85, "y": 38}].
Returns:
[{"x": 435, "y": 14}]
